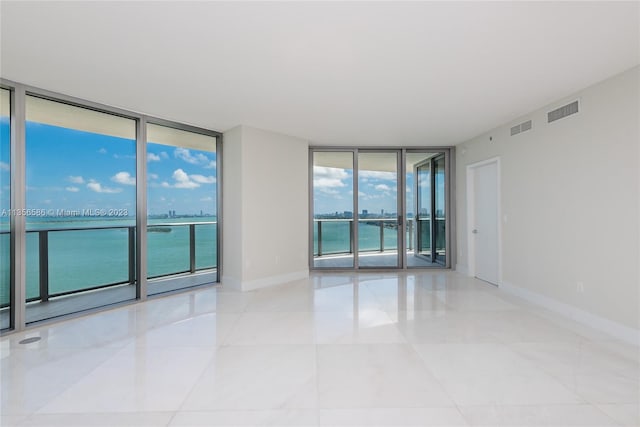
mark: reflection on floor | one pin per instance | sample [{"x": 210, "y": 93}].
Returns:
[
  {"x": 406, "y": 348},
  {"x": 74, "y": 303},
  {"x": 372, "y": 259}
]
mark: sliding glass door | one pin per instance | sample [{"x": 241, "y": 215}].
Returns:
[
  {"x": 358, "y": 208},
  {"x": 429, "y": 220}
]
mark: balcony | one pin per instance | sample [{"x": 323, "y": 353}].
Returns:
[
  {"x": 76, "y": 269},
  {"x": 333, "y": 243}
]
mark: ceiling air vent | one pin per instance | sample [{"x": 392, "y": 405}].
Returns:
[
  {"x": 522, "y": 127},
  {"x": 562, "y": 112}
]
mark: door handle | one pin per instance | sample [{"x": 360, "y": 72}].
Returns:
[{"x": 474, "y": 231}]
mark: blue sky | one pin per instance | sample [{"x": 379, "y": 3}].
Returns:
[
  {"x": 70, "y": 169},
  {"x": 333, "y": 191}
]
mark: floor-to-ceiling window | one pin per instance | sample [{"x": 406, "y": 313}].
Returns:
[
  {"x": 111, "y": 206},
  {"x": 378, "y": 226},
  {"x": 5, "y": 209},
  {"x": 182, "y": 197},
  {"x": 397, "y": 197},
  {"x": 81, "y": 208}
]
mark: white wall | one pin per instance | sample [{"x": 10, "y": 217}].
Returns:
[
  {"x": 570, "y": 203},
  {"x": 232, "y": 206},
  {"x": 266, "y": 208}
]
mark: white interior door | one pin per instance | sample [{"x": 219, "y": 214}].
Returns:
[{"x": 485, "y": 229}]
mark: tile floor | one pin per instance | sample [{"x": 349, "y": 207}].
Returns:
[{"x": 432, "y": 348}]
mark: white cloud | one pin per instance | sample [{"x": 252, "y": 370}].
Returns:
[
  {"x": 164, "y": 155},
  {"x": 197, "y": 159},
  {"x": 377, "y": 175},
  {"x": 184, "y": 180},
  {"x": 211, "y": 165},
  {"x": 201, "y": 179},
  {"x": 153, "y": 157},
  {"x": 124, "y": 178},
  {"x": 328, "y": 190},
  {"x": 382, "y": 187},
  {"x": 72, "y": 189},
  {"x": 93, "y": 185},
  {"x": 153, "y": 176},
  {"x": 325, "y": 177},
  {"x": 76, "y": 179},
  {"x": 4, "y": 166},
  {"x": 102, "y": 151},
  {"x": 207, "y": 199}
]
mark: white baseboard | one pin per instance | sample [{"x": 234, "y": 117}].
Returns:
[
  {"x": 265, "y": 282},
  {"x": 615, "y": 329},
  {"x": 231, "y": 283}
]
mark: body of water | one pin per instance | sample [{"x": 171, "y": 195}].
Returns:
[{"x": 336, "y": 237}]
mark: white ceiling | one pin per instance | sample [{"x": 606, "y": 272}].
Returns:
[{"x": 333, "y": 73}]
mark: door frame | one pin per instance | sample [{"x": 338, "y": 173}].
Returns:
[
  {"x": 434, "y": 223},
  {"x": 416, "y": 200},
  {"x": 471, "y": 247}
]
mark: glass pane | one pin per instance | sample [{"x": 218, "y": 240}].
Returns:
[
  {"x": 332, "y": 209},
  {"x": 206, "y": 241},
  {"x": 377, "y": 203},
  {"x": 81, "y": 193},
  {"x": 168, "y": 248},
  {"x": 5, "y": 205},
  {"x": 182, "y": 204},
  {"x": 424, "y": 210},
  {"x": 439, "y": 231}
]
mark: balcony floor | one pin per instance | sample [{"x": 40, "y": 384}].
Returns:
[
  {"x": 74, "y": 303},
  {"x": 388, "y": 259},
  {"x": 404, "y": 348}
]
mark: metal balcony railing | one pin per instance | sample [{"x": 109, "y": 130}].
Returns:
[
  {"x": 43, "y": 252},
  {"x": 382, "y": 224},
  {"x": 385, "y": 225}
]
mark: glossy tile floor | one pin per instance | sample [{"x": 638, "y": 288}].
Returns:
[{"x": 432, "y": 348}]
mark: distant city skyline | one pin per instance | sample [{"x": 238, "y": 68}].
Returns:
[
  {"x": 333, "y": 190},
  {"x": 377, "y": 191}
]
